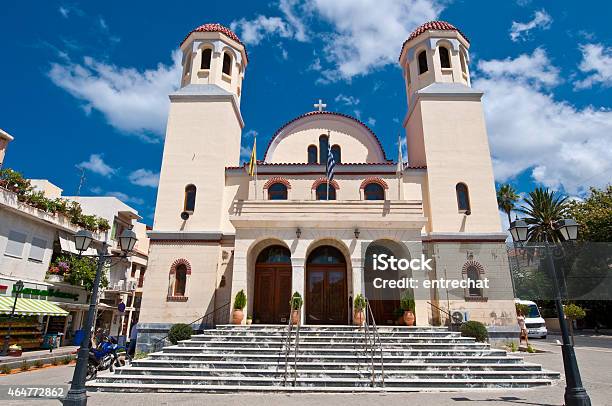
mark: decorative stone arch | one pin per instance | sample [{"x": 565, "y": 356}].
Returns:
[
  {"x": 374, "y": 179},
  {"x": 172, "y": 281},
  {"x": 201, "y": 47},
  {"x": 317, "y": 182},
  {"x": 277, "y": 179},
  {"x": 471, "y": 265},
  {"x": 179, "y": 262}
]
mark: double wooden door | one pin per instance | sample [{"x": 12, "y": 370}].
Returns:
[
  {"x": 272, "y": 293},
  {"x": 326, "y": 294}
]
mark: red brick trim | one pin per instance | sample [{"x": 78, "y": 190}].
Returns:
[
  {"x": 177, "y": 298},
  {"x": 277, "y": 179},
  {"x": 374, "y": 179},
  {"x": 472, "y": 264},
  {"x": 317, "y": 182},
  {"x": 179, "y": 262},
  {"x": 476, "y": 299}
]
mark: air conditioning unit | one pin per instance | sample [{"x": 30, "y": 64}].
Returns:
[
  {"x": 460, "y": 316},
  {"x": 119, "y": 285}
]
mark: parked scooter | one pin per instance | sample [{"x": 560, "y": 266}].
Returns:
[{"x": 107, "y": 355}]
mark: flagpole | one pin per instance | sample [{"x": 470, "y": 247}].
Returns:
[
  {"x": 255, "y": 163},
  {"x": 400, "y": 167},
  {"x": 326, "y": 163}
]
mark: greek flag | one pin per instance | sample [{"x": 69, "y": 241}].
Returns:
[{"x": 331, "y": 164}]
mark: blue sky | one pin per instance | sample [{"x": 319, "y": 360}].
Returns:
[{"x": 84, "y": 84}]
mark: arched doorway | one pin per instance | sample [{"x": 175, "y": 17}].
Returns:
[
  {"x": 272, "y": 285},
  {"x": 326, "y": 287}
]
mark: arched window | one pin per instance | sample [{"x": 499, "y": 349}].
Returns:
[
  {"x": 373, "y": 191},
  {"x": 227, "y": 63},
  {"x": 206, "y": 57},
  {"x": 180, "y": 280},
  {"x": 462, "y": 60},
  {"x": 274, "y": 254},
  {"x": 444, "y": 57},
  {"x": 187, "y": 64},
  {"x": 422, "y": 62},
  {"x": 322, "y": 192},
  {"x": 336, "y": 153},
  {"x": 463, "y": 198},
  {"x": 473, "y": 273},
  {"x": 323, "y": 145},
  {"x": 190, "y": 198},
  {"x": 277, "y": 191},
  {"x": 312, "y": 154}
]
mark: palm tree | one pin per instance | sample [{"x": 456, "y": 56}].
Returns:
[
  {"x": 506, "y": 199},
  {"x": 543, "y": 209}
]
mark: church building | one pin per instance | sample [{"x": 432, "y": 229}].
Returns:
[{"x": 218, "y": 230}]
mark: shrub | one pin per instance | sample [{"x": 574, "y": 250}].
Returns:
[
  {"x": 521, "y": 309},
  {"x": 359, "y": 303},
  {"x": 407, "y": 302},
  {"x": 530, "y": 349},
  {"x": 240, "y": 300},
  {"x": 179, "y": 331},
  {"x": 55, "y": 361},
  {"x": 512, "y": 346},
  {"x": 296, "y": 301},
  {"x": 574, "y": 312},
  {"x": 5, "y": 369},
  {"x": 24, "y": 366},
  {"x": 476, "y": 330},
  {"x": 66, "y": 360},
  {"x": 38, "y": 363}
]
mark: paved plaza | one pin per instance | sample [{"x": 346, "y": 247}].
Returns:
[{"x": 594, "y": 355}]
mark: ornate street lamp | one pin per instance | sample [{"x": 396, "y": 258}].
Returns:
[
  {"x": 77, "y": 395},
  {"x": 17, "y": 288},
  {"x": 575, "y": 393}
]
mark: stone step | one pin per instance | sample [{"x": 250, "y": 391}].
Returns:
[
  {"x": 314, "y": 352},
  {"x": 324, "y": 327},
  {"x": 359, "y": 345},
  {"x": 330, "y": 339},
  {"x": 354, "y": 333},
  {"x": 326, "y": 366},
  {"x": 203, "y": 381},
  {"x": 364, "y": 372}
]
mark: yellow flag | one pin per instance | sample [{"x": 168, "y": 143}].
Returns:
[{"x": 253, "y": 161}]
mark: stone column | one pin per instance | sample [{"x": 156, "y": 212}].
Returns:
[
  {"x": 239, "y": 282},
  {"x": 297, "y": 280}
]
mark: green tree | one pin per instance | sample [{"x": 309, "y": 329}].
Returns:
[
  {"x": 594, "y": 214},
  {"x": 573, "y": 312},
  {"x": 543, "y": 209},
  {"x": 506, "y": 199}
]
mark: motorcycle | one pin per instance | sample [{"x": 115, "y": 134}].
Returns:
[{"x": 107, "y": 355}]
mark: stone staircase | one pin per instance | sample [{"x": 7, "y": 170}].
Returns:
[{"x": 330, "y": 359}]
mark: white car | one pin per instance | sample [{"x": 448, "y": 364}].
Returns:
[{"x": 536, "y": 327}]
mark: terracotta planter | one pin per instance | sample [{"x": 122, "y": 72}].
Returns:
[
  {"x": 295, "y": 317},
  {"x": 15, "y": 353},
  {"x": 55, "y": 278},
  {"x": 358, "y": 318},
  {"x": 409, "y": 318},
  {"x": 237, "y": 316}
]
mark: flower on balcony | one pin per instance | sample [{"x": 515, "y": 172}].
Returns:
[{"x": 54, "y": 270}]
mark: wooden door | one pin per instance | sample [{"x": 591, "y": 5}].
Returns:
[
  {"x": 272, "y": 294},
  {"x": 326, "y": 294}
]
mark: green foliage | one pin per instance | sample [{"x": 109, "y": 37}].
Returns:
[
  {"x": 5, "y": 369},
  {"x": 24, "y": 365},
  {"x": 521, "y": 309},
  {"x": 140, "y": 355},
  {"x": 240, "y": 300},
  {"x": 543, "y": 209},
  {"x": 66, "y": 360},
  {"x": 594, "y": 214},
  {"x": 407, "y": 302},
  {"x": 475, "y": 329},
  {"x": 359, "y": 303},
  {"x": 38, "y": 363},
  {"x": 102, "y": 224},
  {"x": 82, "y": 271},
  {"x": 512, "y": 346},
  {"x": 296, "y": 301},
  {"x": 55, "y": 361},
  {"x": 15, "y": 182},
  {"x": 179, "y": 331},
  {"x": 574, "y": 312},
  {"x": 506, "y": 199},
  {"x": 530, "y": 349}
]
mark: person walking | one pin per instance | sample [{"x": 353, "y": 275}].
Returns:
[
  {"x": 524, "y": 332},
  {"x": 133, "y": 338}
]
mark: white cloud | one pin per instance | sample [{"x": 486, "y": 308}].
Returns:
[
  {"x": 250, "y": 134},
  {"x": 65, "y": 12},
  {"x": 347, "y": 100},
  {"x": 97, "y": 165},
  {"x": 253, "y": 31},
  {"x": 371, "y": 121},
  {"x": 289, "y": 9},
  {"x": 131, "y": 101},
  {"x": 144, "y": 177},
  {"x": 597, "y": 61},
  {"x": 541, "y": 19},
  {"x": 245, "y": 153},
  {"x": 562, "y": 145},
  {"x": 125, "y": 198}
]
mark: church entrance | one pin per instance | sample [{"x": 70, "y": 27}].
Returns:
[
  {"x": 272, "y": 286},
  {"x": 326, "y": 287}
]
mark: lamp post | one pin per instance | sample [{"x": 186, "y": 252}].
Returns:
[
  {"x": 17, "y": 288},
  {"x": 575, "y": 393},
  {"x": 77, "y": 395}
]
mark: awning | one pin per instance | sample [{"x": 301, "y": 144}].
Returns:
[{"x": 30, "y": 307}]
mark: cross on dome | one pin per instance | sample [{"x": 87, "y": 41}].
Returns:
[{"x": 320, "y": 105}]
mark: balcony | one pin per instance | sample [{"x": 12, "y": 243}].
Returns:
[{"x": 329, "y": 214}]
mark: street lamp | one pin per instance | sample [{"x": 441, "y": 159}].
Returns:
[
  {"x": 17, "y": 288},
  {"x": 575, "y": 393},
  {"x": 77, "y": 395}
]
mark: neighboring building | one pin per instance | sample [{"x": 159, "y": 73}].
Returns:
[
  {"x": 217, "y": 230},
  {"x": 5, "y": 138}
]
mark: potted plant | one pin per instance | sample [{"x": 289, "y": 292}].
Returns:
[
  {"x": 359, "y": 304},
  {"x": 239, "y": 304},
  {"x": 15, "y": 351},
  {"x": 296, "y": 305},
  {"x": 407, "y": 305},
  {"x": 249, "y": 320}
]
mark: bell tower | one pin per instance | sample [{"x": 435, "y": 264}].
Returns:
[{"x": 446, "y": 131}]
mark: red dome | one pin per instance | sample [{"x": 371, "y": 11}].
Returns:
[
  {"x": 214, "y": 28},
  {"x": 433, "y": 26}
]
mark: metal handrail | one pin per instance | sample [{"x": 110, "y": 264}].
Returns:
[
  {"x": 450, "y": 316},
  {"x": 376, "y": 336},
  {"x": 207, "y": 315},
  {"x": 287, "y": 348}
]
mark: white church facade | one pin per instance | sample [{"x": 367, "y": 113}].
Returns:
[{"x": 218, "y": 230}]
